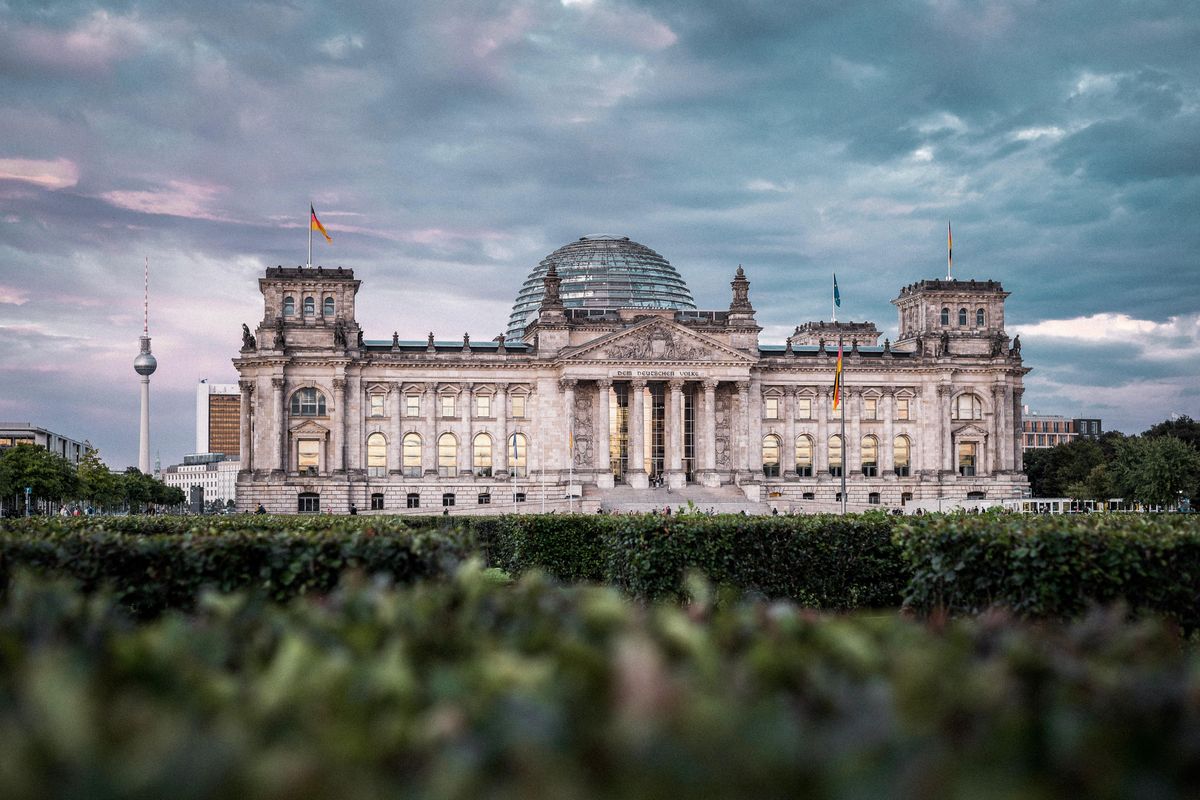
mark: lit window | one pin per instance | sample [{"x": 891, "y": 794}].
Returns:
[
  {"x": 483, "y": 405},
  {"x": 289, "y": 306},
  {"x": 803, "y": 408},
  {"x": 518, "y": 448},
  {"x": 835, "y": 455},
  {"x": 308, "y": 455},
  {"x": 979, "y": 317},
  {"x": 376, "y": 405},
  {"x": 518, "y": 406},
  {"x": 870, "y": 456},
  {"x": 482, "y": 455},
  {"x": 901, "y": 408},
  {"x": 869, "y": 406},
  {"x": 945, "y": 316},
  {"x": 447, "y": 405},
  {"x": 412, "y": 405},
  {"x": 376, "y": 455},
  {"x": 310, "y": 307},
  {"x": 771, "y": 407},
  {"x": 447, "y": 455},
  {"x": 968, "y": 406},
  {"x": 804, "y": 456},
  {"x": 901, "y": 449},
  {"x": 770, "y": 449},
  {"x": 411, "y": 455},
  {"x": 962, "y": 318},
  {"x": 328, "y": 310},
  {"x": 966, "y": 459},
  {"x": 308, "y": 402}
]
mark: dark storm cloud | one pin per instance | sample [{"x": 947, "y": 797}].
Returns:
[{"x": 449, "y": 146}]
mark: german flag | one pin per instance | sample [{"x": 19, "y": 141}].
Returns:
[
  {"x": 315, "y": 224},
  {"x": 837, "y": 380}
]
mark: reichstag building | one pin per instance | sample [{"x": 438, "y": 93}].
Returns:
[{"x": 611, "y": 389}]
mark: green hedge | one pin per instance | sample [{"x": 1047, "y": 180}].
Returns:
[
  {"x": 466, "y": 688},
  {"x": 1054, "y": 566}
]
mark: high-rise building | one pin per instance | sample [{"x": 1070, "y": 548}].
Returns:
[{"x": 218, "y": 426}]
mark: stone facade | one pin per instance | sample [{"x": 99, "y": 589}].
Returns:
[{"x": 594, "y": 399}]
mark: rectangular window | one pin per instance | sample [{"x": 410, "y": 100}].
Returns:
[
  {"x": 377, "y": 502},
  {"x": 414, "y": 500},
  {"x": 485, "y": 499},
  {"x": 901, "y": 408},
  {"x": 308, "y": 455},
  {"x": 519, "y": 497},
  {"x": 483, "y": 405},
  {"x": 518, "y": 406},
  {"x": 1041, "y": 440},
  {"x": 803, "y": 408},
  {"x": 376, "y": 405},
  {"x": 770, "y": 408},
  {"x": 447, "y": 499},
  {"x": 447, "y": 401},
  {"x": 869, "y": 406},
  {"x": 309, "y": 503},
  {"x": 412, "y": 405}
]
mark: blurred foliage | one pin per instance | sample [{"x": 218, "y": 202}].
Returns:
[{"x": 483, "y": 687}]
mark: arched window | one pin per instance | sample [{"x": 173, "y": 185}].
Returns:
[
  {"x": 979, "y": 318},
  {"x": 482, "y": 455},
  {"x": 328, "y": 310},
  {"x": 518, "y": 449},
  {"x": 870, "y": 456},
  {"x": 962, "y": 318},
  {"x": 901, "y": 455},
  {"x": 447, "y": 455},
  {"x": 835, "y": 455},
  {"x": 310, "y": 306},
  {"x": 289, "y": 306},
  {"x": 411, "y": 454},
  {"x": 945, "y": 316},
  {"x": 308, "y": 402},
  {"x": 376, "y": 455},
  {"x": 968, "y": 406},
  {"x": 770, "y": 455},
  {"x": 804, "y": 456}
]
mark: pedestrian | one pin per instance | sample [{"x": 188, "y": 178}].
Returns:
[
  {"x": 260, "y": 509},
  {"x": 353, "y": 510}
]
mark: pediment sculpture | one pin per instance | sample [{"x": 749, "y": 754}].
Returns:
[{"x": 658, "y": 344}]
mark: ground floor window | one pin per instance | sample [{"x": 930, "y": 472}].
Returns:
[
  {"x": 976, "y": 495},
  {"x": 906, "y": 498},
  {"x": 519, "y": 497},
  {"x": 447, "y": 499},
  {"x": 808, "y": 496},
  {"x": 308, "y": 503},
  {"x": 485, "y": 498},
  {"x": 873, "y": 498},
  {"x": 377, "y": 501},
  {"x": 414, "y": 500}
]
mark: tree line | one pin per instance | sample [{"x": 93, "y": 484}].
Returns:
[
  {"x": 1159, "y": 467},
  {"x": 56, "y": 482}
]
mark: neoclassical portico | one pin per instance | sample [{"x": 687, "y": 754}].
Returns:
[{"x": 653, "y": 399}]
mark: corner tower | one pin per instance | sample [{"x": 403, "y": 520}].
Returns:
[{"x": 952, "y": 317}]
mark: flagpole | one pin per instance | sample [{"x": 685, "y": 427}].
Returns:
[
  {"x": 310, "y": 235},
  {"x": 833, "y": 300},
  {"x": 845, "y": 449},
  {"x": 949, "y": 250},
  {"x": 571, "y": 471}
]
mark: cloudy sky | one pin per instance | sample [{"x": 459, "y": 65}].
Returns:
[{"x": 448, "y": 146}]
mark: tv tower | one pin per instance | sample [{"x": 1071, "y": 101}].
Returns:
[{"x": 144, "y": 365}]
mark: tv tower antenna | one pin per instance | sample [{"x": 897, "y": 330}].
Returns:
[{"x": 144, "y": 365}]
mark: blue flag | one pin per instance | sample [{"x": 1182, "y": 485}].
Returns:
[{"x": 837, "y": 297}]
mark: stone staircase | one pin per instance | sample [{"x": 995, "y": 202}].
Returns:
[{"x": 718, "y": 500}]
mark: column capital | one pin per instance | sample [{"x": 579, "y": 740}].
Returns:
[
  {"x": 604, "y": 383},
  {"x": 824, "y": 391},
  {"x": 1018, "y": 391},
  {"x": 501, "y": 386},
  {"x": 742, "y": 386},
  {"x": 710, "y": 384},
  {"x": 675, "y": 384},
  {"x": 943, "y": 389},
  {"x": 790, "y": 391},
  {"x": 888, "y": 391},
  {"x": 430, "y": 387},
  {"x": 998, "y": 390},
  {"x": 568, "y": 383},
  {"x": 339, "y": 384},
  {"x": 246, "y": 386},
  {"x": 468, "y": 387},
  {"x": 277, "y": 383},
  {"x": 638, "y": 383}
]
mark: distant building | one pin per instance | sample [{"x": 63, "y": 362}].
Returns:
[
  {"x": 15, "y": 433},
  {"x": 211, "y": 472},
  {"x": 218, "y": 427},
  {"x": 1040, "y": 431}
]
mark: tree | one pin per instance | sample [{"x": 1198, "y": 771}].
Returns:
[
  {"x": 1052, "y": 470},
  {"x": 1186, "y": 430},
  {"x": 1155, "y": 470},
  {"x": 1096, "y": 486},
  {"x": 97, "y": 484},
  {"x": 50, "y": 476}
]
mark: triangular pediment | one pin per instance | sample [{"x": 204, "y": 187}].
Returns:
[
  {"x": 309, "y": 428},
  {"x": 656, "y": 341},
  {"x": 970, "y": 429}
]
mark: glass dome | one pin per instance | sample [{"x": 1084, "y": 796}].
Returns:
[{"x": 602, "y": 272}]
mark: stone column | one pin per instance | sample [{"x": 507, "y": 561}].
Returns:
[
  {"x": 754, "y": 434},
  {"x": 429, "y": 454},
  {"x": 246, "y": 456},
  {"x": 603, "y": 463},
  {"x": 852, "y": 448},
  {"x": 887, "y": 455},
  {"x": 997, "y": 448},
  {"x": 821, "y": 446},
  {"x": 1018, "y": 426},
  {"x": 637, "y": 476},
  {"x": 354, "y": 425},
  {"x": 946, "y": 438},
  {"x": 567, "y": 442},
  {"x": 708, "y": 452},
  {"x": 338, "y": 441},
  {"x": 500, "y": 411},
  {"x": 788, "y": 468},
  {"x": 278, "y": 426},
  {"x": 674, "y": 435},
  {"x": 397, "y": 429},
  {"x": 466, "y": 457}
]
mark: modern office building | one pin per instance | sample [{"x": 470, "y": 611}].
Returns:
[
  {"x": 217, "y": 419},
  {"x": 608, "y": 400},
  {"x": 1050, "y": 430},
  {"x": 211, "y": 472},
  {"x": 15, "y": 433}
]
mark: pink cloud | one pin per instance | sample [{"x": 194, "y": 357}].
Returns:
[
  {"x": 177, "y": 199},
  {"x": 10, "y": 295},
  {"x": 57, "y": 174},
  {"x": 96, "y": 43}
]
